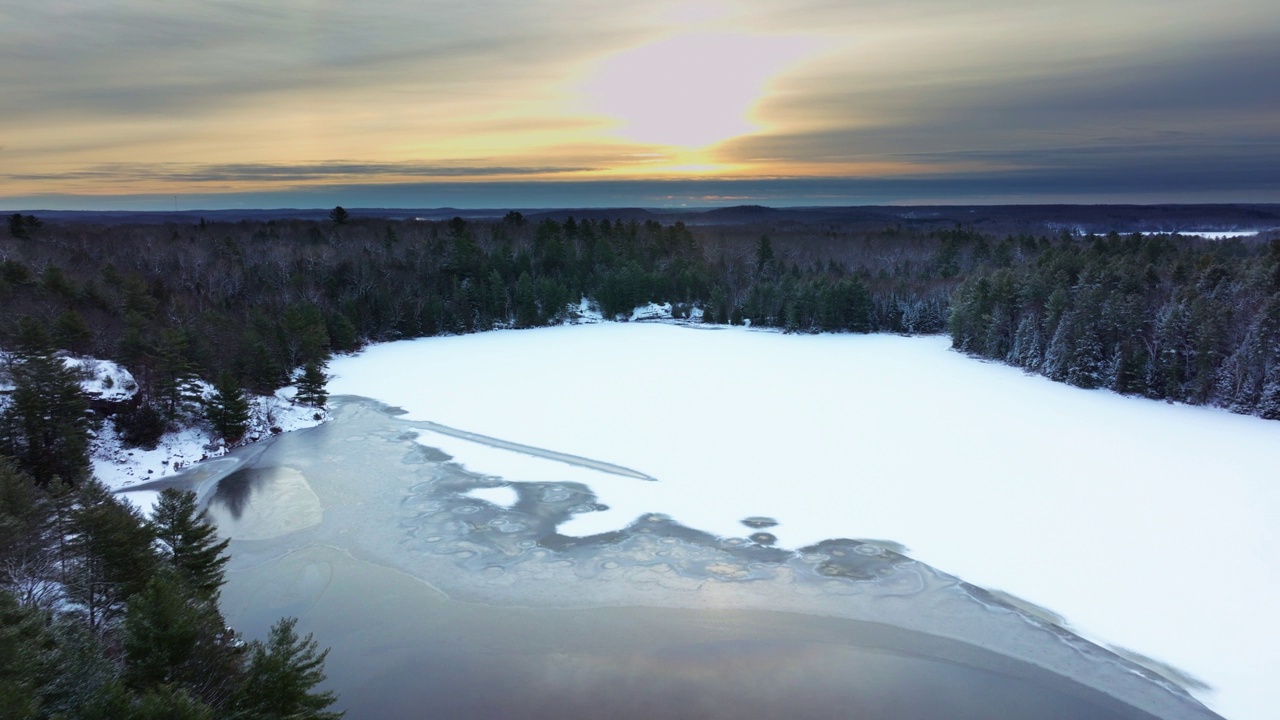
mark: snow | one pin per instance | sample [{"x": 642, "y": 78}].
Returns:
[
  {"x": 1210, "y": 234},
  {"x": 652, "y": 311},
  {"x": 99, "y": 379},
  {"x": 120, "y": 468},
  {"x": 501, "y": 496},
  {"x": 585, "y": 313},
  {"x": 1149, "y": 526},
  {"x": 102, "y": 379}
]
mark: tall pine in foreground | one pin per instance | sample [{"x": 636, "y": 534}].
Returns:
[
  {"x": 110, "y": 554},
  {"x": 188, "y": 543},
  {"x": 173, "y": 638},
  {"x": 281, "y": 677}
]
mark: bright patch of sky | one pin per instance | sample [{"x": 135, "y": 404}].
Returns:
[{"x": 690, "y": 90}]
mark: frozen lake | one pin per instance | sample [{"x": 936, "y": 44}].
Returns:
[
  {"x": 435, "y": 599},
  {"x": 1148, "y": 526},
  {"x": 607, "y": 481}
]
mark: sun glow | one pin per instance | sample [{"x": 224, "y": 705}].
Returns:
[{"x": 689, "y": 91}]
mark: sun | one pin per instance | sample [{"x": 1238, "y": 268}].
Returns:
[{"x": 689, "y": 91}]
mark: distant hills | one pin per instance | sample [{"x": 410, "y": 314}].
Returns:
[{"x": 990, "y": 218}]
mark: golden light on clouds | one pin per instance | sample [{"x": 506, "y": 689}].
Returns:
[
  {"x": 689, "y": 91},
  {"x": 138, "y": 96}
]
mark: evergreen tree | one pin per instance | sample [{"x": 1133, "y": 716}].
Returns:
[
  {"x": 22, "y": 637},
  {"x": 75, "y": 671},
  {"x": 175, "y": 639},
  {"x": 311, "y": 386},
  {"x": 170, "y": 703},
  {"x": 110, "y": 554},
  {"x": 46, "y": 425},
  {"x": 281, "y": 677},
  {"x": 526, "y": 302},
  {"x": 176, "y": 383},
  {"x": 305, "y": 335},
  {"x": 114, "y": 701},
  {"x": 71, "y": 332},
  {"x": 139, "y": 425},
  {"x": 189, "y": 543},
  {"x": 228, "y": 410},
  {"x": 342, "y": 334},
  {"x": 26, "y": 529},
  {"x": 21, "y": 226},
  {"x": 764, "y": 253}
]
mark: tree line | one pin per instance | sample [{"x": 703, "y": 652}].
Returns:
[
  {"x": 1163, "y": 317},
  {"x": 250, "y": 306},
  {"x": 260, "y": 300}
]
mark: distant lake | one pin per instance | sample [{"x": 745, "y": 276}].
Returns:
[{"x": 439, "y": 602}]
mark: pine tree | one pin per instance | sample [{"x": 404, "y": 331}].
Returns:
[
  {"x": 26, "y": 529},
  {"x": 139, "y": 425},
  {"x": 764, "y": 253},
  {"x": 22, "y": 635},
  {"x": 311, "y": 386},
  {"x": 112, "y": 700},
  {"x": 177, "y": 387},
  {"x": 526, "y": 302},
  {"x": 171, "y": 703},
  {"x": 175, "y": 639},
  {"x": 46, "y": 425},
  {"x": 76, "y": 671},
  {"x": 189, "y": 543},
  {"x": 110, "y": 554},
  {"x": 228, "y": 410},
  {"x": 71, "y": 332},
  {"x": 281, "y": 676}
]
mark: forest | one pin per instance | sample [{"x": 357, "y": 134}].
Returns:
[
  {"x": 106, "y": 613},
  {"x": 252, "y": 302}
]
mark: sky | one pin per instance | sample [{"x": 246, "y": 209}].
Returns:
[{"x": 153, "y": 104}]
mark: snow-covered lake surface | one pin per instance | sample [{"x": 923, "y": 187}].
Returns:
[
  {"x": 1210, "y": 234},
  {"x": 1148, "y": 526}
]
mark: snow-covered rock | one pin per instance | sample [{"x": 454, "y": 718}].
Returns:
[{"x": 651, "y": 311}]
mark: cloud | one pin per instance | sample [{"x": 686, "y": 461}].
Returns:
[
  {"x": 253, "y": 95},
  {"x": 1208, "y": 115},
  {"x": 292, "y": 173}
]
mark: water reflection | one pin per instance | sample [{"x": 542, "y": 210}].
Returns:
[
  {"x": 434, "y": 597},
  {"x": 256, "y": 503}
]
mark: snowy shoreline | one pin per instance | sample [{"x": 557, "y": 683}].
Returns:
[{"x": 122, "y": 469}]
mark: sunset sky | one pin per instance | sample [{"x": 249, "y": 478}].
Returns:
[{"x": 125, "y": 104}]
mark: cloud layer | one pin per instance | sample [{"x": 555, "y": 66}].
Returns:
[{"x": 1170, "y": 100}]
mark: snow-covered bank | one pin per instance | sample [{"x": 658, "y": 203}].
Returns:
[
  {"x": 120, "y": 468},
  {"x": 1150, "y": 526},
  {"x": 1209, "y": 234}
]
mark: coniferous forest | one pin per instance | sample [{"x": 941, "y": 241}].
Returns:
[
  {"x": 105, "y": 613},
  {"x": 1164, "y": 316}
]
